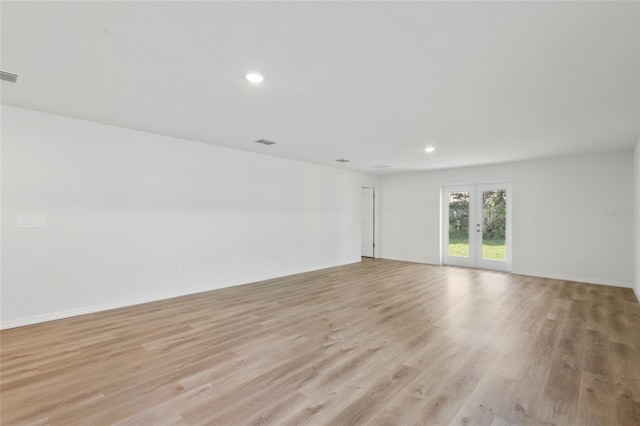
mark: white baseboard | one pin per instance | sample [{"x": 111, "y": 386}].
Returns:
[
  {"x": 586, "y": 280},
  {"x": 414, "y": 260},
  {"x": 52, "y": 316},
  {"x": 637, "y": 293},
  {"x": 533, "y": 274}
]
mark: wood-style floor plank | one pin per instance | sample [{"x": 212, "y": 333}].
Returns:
[{"x": 378, "y": 343}]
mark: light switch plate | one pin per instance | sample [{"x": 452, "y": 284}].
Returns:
[{"x": 32, "y": 221}]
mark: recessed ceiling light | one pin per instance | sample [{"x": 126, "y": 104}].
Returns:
[
  {"x": 254, "y": 77},
  {"x": 430, "y": 149}
]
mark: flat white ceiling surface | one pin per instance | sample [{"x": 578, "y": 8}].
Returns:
[{"x": 485, "y": 82}]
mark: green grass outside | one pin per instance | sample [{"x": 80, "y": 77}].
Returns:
[{"x": 491, "y": 249}]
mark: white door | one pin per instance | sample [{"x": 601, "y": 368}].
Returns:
[
  {"x": 368, "y": 222},
  {"x": 477, "y": 226}
]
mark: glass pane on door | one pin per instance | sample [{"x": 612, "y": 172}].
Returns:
[
  {"x": 494, "y": 225},
  {"x": 459, "y": 224}
]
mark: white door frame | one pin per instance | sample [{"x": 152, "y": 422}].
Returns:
[
  {"x": 373, "y": 219},
  {"x": 475, "y": 228}
]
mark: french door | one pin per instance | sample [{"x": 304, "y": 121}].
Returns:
[{"x": 477, "y": 226}]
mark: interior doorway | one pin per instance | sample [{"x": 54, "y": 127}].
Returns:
[
  {"x": 368, "y": 222},
  {"x": 476, "y": 223}
]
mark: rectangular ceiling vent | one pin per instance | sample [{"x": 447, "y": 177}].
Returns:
[
  {"x": 342, "y": 160},
  {"x": 265, "y": 142},
  {"x": 10, "y": 77}
]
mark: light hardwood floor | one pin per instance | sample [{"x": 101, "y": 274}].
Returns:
[{"x": 380, "y": 342}]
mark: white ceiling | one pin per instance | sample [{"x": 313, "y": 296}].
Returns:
[{"x": 485, "y": 82}]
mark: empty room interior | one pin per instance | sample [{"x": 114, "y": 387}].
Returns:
[{"x": 320, "y": 213}]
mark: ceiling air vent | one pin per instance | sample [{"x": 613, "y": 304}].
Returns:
[
  {"x": 265, "y": 142},
  {"x": 342, "y": 160},
  {"x": 10, "y": 77}
]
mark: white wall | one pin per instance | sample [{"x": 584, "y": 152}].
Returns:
[
  {"x": 636, "y": 216},
  {"x": 126, "y": 209},
  {"x": 567, "y": 198}
]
